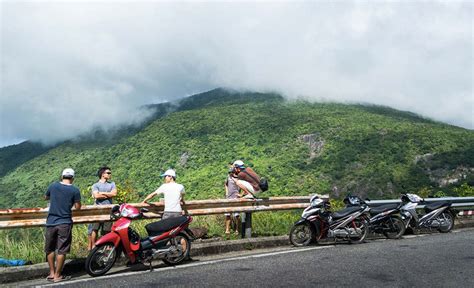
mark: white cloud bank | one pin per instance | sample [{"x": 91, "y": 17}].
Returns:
[{"x": 69, "y": 67}]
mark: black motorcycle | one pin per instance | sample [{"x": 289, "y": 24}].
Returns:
[
  {"x": 384, "y": 219},
  {"x": 319, "y": 223}
]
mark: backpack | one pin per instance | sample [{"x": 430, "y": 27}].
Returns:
[{"x": 263, "y": 184}]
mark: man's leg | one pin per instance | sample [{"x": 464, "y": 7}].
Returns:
[
  {"x": 94, "y": 237},
  {"x": 94, "y": 233},
  {"x": 50, "y": 257},
  {"x": 64, "y": 246},
  {"x": 49, "y": 248},
  {"x": 59, "y": 265},
  {"x": 238, "y": 223},
  {"x": 90, "y": 243},
  {"x": 227, "y": 224}
]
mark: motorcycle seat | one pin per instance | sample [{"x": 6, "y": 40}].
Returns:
[
  {"x": 165, "y": 225},
  {"x": 382, "y": 208},
  {"x": 434, "y": 206},
  {"x": 344, "y": 212}
]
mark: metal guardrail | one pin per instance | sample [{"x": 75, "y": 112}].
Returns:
[
  {"x": 34, "y": 217},
  {"x": 457, "y": 202}
]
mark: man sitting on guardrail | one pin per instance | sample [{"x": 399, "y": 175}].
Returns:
[
  {"x": 247, "y": 180},
  {"x": 174, "y": 195},
  {"x": 62, "y": 197}
]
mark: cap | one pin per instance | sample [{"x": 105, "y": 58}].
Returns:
[
  {"x": 68, "y": 173},
  {"x": 239, "y": 163},
  {"x": 169, "y": 172}
]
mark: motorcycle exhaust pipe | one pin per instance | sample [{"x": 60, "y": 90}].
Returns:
[{"x": 159, "y": 253}]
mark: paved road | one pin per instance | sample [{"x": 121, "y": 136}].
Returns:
[{"x": 435, "y": 260}]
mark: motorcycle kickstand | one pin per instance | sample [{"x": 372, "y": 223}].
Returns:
[{"x": 151, "y": 266}]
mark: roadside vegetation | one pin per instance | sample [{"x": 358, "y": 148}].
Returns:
[{"x": 302, "y": 148}]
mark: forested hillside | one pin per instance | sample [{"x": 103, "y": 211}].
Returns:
[{"x": 300, "y": 147}]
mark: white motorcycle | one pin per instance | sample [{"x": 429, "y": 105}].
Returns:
[{"x": 439, "y": 215}]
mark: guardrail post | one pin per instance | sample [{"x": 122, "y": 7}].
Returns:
[{"x": 247, "y": 225}]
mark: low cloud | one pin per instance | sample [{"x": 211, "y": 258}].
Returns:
[{"x": 71, "y": 67}]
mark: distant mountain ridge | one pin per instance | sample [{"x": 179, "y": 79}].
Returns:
[{"x": 301, "y": 147}]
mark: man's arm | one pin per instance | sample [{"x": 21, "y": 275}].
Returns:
[
  {"x": 47, "y": 194},
  {"x": 99, "y": 195},
  {"x": 151, "y": 195},
  {"x": 183, "y": 204},
  {"x": 77, "y": 200},
  {"x": 110, "y": 194},
  {"x": 105, "y": 195}
]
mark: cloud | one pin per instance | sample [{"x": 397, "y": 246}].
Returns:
[{"x": 71, "y": 67}]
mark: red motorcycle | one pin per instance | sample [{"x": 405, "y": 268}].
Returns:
[{"x": 168, "y": 240}]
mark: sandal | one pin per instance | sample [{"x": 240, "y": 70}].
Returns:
[
  {"x": 63, "y": 278},
  {"x": 50, "y": 278}
]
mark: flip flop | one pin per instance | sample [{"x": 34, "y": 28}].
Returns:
[
  {"x": 49, "y": 278},
  {"x": 63, "y": 278}
]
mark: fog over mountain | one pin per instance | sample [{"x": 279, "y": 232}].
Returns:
[{"x": 67, "y": 68}]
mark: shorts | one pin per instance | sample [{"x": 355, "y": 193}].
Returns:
[
  {"x": 236, "y": 214},
  {"x": 105, "y": 227},
  {"x": 58, "y": 238},
  {"x": 167, "y": 215}
]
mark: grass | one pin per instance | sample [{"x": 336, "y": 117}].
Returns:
[{"x": 28, "y": 243}]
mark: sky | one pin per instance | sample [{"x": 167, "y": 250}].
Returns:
[{"x": 67, "y": 68}]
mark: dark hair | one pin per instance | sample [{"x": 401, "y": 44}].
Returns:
[{"x": 102, "y": 170}]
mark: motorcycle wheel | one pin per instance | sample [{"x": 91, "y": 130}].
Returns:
[
  {"x": 397, "y": 227},
  {"x": 101, "y": 259},
  {"x": 448, "y": 219},
  {"x": 361, "y": 224},
  {"x": 180, "y": 241},
  {"x": 301, "y": 235}
]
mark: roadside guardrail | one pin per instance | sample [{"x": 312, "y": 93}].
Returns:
[{"x": 34, "y": 217}]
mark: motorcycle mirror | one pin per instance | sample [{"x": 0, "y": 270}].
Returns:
[{"x": 367, "y": 199}]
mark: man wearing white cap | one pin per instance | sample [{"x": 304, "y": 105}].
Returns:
[
  {"x": 62, "y": 197},
  {"x": 174, "y": 195},
  {"x": 247, "y": 180}
]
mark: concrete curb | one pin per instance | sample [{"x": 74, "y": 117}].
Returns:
[{"x": 37, "y": 271}]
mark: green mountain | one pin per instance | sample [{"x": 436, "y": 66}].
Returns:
[{"x": 300, "y": 147}]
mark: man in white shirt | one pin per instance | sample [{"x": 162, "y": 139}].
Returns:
[{"x": 174, "y": 195}]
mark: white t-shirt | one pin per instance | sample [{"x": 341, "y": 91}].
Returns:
[{"x": 172, "y": 192}]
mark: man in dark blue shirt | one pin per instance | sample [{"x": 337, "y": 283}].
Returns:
[{"x": 62, "y": 196}]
